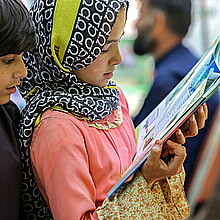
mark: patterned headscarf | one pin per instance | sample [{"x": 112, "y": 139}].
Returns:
[{"x": 70, "y": 36}]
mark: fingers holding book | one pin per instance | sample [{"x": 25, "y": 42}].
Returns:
[
  {"x": 163, "y": 162},
  {"x": 196, "y": 121},
  {"x": 202, "y": 115},
  {"x": 178, "y": 137},
  {"x": 168, "y": 160}
]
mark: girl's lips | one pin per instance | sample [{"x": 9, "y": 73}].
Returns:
[
  {"x": 108, "y": 75},
  {"x": 11, "y": 90}
]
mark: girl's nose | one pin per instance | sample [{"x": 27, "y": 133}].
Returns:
[{"x": 116, "y": 58}]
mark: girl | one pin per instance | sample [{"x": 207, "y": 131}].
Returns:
[{"x": 76, "y": 131}]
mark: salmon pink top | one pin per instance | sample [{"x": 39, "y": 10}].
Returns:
[{"x": 77, "y": 162}]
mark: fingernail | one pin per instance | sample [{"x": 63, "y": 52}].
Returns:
[
  {"x": 200, "y": 110},
  {"x": 158, "y": 142},
  {"x": 192, "y": 118},
  {"x": 178, "y": 132},
  {"x": 157, "y": 147}
]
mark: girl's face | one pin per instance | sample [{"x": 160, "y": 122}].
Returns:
[
  {"x": 12, "y": 68},
  {"x": 101, "y": 70}
]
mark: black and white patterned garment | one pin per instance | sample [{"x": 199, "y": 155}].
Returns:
[{"x": 52, "y": 83}]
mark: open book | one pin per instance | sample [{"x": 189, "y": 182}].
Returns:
[{"x": 194, "y": 89}]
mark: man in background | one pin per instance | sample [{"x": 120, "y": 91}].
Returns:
[{"x": 162, "y": 26}]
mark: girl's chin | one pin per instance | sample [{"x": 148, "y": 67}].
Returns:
[
  {"x": 105, "y": 85},
  {"x": 101, "y": 83}
]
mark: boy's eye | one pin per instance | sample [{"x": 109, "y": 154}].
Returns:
[{"x": 9, "y": 61}]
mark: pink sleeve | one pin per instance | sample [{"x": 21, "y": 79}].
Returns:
[{"x": 60, "y": 159}]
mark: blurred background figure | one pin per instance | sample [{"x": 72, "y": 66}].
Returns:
[{"x": 162, "y": 25}]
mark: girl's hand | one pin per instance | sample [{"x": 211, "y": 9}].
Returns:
[
  {"x": 157, "y": 167},
  {"x": 191, "y": 127}
]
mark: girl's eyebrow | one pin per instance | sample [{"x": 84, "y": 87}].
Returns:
[{"x": 112, "y": 41}]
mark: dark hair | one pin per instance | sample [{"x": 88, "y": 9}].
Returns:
[
  {"x": 178, "y": 14},
  {"x": 17, "y": 33}
]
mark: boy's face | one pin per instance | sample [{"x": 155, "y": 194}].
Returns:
[{"x": 12, "y": 68}]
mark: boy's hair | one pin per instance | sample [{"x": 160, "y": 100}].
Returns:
[
  {"x": 178, "y": 14},
  {"x": 17, "y": 33}
]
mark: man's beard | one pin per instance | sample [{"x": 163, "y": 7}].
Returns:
[{"x": 143, "y": 43}]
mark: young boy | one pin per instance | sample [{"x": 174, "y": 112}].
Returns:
[{"x": 17, "y": 36}]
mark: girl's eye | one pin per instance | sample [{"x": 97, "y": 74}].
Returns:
[
  {"x": 8, "y": 61},
  {"x": 104, "y": 51}
]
